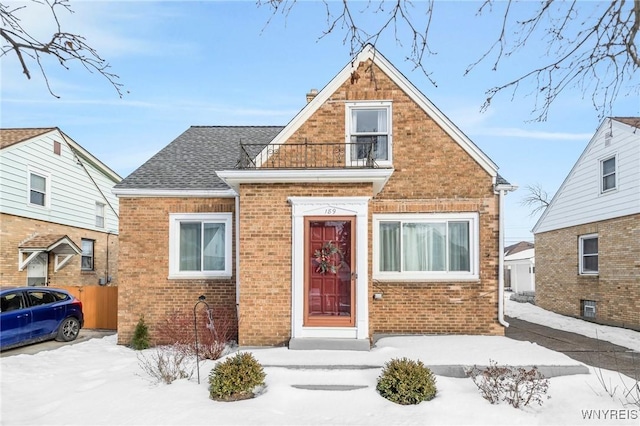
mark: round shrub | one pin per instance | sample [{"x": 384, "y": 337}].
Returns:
[
  {"x": 406, "y": 382},
  {"x": 236, "y": 378}
]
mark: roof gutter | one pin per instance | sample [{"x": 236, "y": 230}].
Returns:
[
  {"x": 174, "y": 193},
  {"x": 502, "y": 190}
]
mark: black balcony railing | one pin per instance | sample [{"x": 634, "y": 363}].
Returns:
[{"x": 307, "y": 155}]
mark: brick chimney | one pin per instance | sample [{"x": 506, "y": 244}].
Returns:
[{"x": 312, "y": 94}]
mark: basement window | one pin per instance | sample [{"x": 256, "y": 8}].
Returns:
[{"x": 588, "y": 308}]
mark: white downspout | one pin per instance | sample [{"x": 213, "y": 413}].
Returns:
[
  {"x": 237, "y": 256},
  {"x": 502, "y": 190}
]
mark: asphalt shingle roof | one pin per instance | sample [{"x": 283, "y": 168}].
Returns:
[
  {"x": 10, "y": 137},
  {"x": 631, "y": 121},
  {"x": 190, "y": 161}
]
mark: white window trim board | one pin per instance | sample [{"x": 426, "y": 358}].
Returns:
[
  {"x": 174, "y": 245},
  {"x": 47, "y": 195},
  {"x": 350, "y": 106},
  {"x": 474, "y": 244},
  {"x": 601, "y": 173},
  {"x": 581, "y": 239},
  {"x": 327, "y": 207}
]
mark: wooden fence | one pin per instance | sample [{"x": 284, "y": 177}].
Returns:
[{"x": 99, "y": 305}]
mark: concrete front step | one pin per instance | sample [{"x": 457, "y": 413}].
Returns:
[
  {"x": 330, "y": 387},
  {"x": 455, "y": 371},
  {"x": 316, "y": 343},
  {"x": 345, "y": 378}
]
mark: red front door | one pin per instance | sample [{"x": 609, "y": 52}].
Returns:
[{"x": 329, "y": 282}]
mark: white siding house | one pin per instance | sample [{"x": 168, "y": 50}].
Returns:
[
  {"x": 587, "y": 240},
  {"x": 59, "y": 217},
  {"x": 520, "y": 268},
  {"x": 584, "y": 196}
]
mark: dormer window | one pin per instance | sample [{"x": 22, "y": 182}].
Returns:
[{"x": 369, "y": 132}]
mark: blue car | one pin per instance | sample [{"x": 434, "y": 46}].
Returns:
[{"x": 33, "y": 314}]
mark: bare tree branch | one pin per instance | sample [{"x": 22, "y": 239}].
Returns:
[
  {"x": 63, "y": 46},
  {"x": 590, "y": 46},
  {"x": 396, "y": 17},
  {"x": 598, "y": 58},
  {"x": 537, "y": 199}
]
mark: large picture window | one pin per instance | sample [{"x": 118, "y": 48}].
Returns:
[
  {"x": 588, "y": 246},
  {"x": 200, "y": 245},
  {"x": 369, "y": 132},
  {"x": 425, "y": 246}
]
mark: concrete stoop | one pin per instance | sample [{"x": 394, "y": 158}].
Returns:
[
  {"x": 308, "y": 343},
  {"x": 330, "y": 387},
  {"x": 453, "y": 371}
]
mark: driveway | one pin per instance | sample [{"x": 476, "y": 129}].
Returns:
[
  {"x": 85, "y": 334},
  {"x": 594, "y": 352}
]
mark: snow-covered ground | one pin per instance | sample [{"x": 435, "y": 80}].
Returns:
[
  {"x": 528, "y": 312},
  {"x": 100, "y": 383}
]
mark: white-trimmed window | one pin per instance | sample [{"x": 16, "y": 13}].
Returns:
[
  {"x": 39, "y": 188},
  {"x": 200, "y": 245},
  {"x": 588, "y": 247},
  {"x": 608, "y": 173},
  {"x": 87, "y": 255},
  {"x": 369, "y": 136},
  {"x": 426, "y": 246},
  {"x": 99, "y": 215}
]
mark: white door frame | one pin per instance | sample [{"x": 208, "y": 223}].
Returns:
[
  {"x": 38, "y": 264},
  {"x": 328, "y": 207}
]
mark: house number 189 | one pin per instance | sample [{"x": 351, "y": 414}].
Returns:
[{"x": 329, "y": 211}]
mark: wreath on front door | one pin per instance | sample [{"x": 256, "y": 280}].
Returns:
[{"x": 325, "y": 260}]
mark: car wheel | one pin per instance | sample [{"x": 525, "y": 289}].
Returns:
[{"x": 69, "y": 330}]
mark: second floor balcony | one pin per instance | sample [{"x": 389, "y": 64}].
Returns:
[{"x": 308, "y": 155}]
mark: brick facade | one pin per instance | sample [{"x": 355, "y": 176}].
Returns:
[
  {"x": 16, "y": 229},
  {"x": 441, "y": 307},
  {"x": 265, "y": 256},
  {"x": 432, "y": 174},
  {"x": 449, "y": 181},
  {"x": 145, "y": 288},
  {"x": 616, "y": 288}
]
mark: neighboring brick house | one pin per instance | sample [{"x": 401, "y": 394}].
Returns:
[
  {"x": 588, "y": 238},
  {"x": 370, "y": 212},
  {"x": 58, "y": 216}
]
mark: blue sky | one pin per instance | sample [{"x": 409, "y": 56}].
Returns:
[{"x": 223, "y": 63}]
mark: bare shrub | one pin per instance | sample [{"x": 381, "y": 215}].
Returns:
[
  {"x": 216, "y": 332},
  {"x": 631, "y": 394},
  {"x": 630, "y": 390},
  {"x": 515, "y": 385},
  {"x": 167, "y": 363}
]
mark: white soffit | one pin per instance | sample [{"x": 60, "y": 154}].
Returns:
[{"x": 378, "y": 177}]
